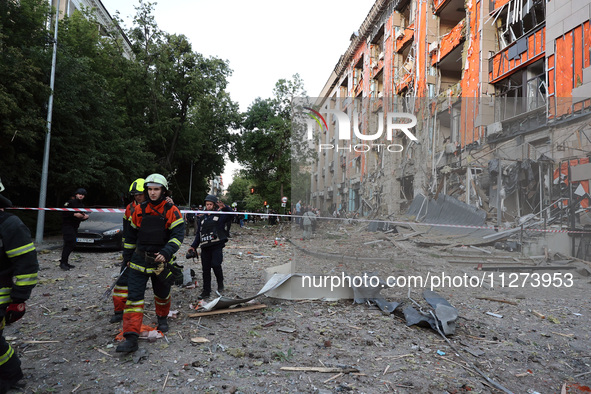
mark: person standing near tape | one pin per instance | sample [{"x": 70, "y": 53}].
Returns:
[
  {"x": 156, "y": 232},
  {"x": 136, "y": 190},
  {"x": 212, "y": 237},
  {"x": 18, "y": 277},
  {"x": 70, "y": 223}
]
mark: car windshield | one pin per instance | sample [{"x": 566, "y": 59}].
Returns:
[{"x": 105, "y": 217}]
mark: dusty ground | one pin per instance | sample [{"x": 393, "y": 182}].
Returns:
[{"x": 540, "y": 344}]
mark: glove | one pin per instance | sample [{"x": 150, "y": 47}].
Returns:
[
  {"x": 163, "y": 274},
  {"x": 177, "y": 273},
  {"x": 14, "y": 312}
]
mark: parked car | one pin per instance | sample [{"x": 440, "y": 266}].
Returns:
[{"x": 101, "y": 230}]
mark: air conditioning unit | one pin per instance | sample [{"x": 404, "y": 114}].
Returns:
[
  {"x": 433, "y": 46},
  {"x": 381, "y": 55},
  {"x": 399, "y": 33}
]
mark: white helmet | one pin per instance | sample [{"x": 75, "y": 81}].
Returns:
[{"x": 156, "y": 180}]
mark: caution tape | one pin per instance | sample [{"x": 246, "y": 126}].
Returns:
[{"x": 400, "y": 223}]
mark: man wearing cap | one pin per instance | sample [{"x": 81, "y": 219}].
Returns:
[
  {"x": 70, "y": 223},
  {"x": 155, "y": 234},
  {"x": 18, "y": 276},
  {"x": 212, "y": 237}
]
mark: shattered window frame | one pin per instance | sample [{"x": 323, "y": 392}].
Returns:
[
  {"x": 508, "y": 33},
  {"x": 521, "y": 92}
]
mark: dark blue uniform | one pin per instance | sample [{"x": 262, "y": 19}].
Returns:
[{"x": 212, "y": 237}]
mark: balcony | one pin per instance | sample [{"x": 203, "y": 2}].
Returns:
[
  {"x": 449, "y": 42},
  {"x": 404, "y": 37},
  {"x": 517, "y": 55},
  {"x": 404, "y": 83}
]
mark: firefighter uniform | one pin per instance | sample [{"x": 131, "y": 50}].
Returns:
[
  {"x": 212, "y": 237},
  {"x": 155, "y": 228},
  {"x": 121, "y": 288},
  {"x": 18, "y": 276}
]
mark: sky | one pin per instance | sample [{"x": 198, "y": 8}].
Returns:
[{"x": 263, "y": 40}]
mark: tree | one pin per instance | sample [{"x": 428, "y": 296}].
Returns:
[
  {"x": 266, "y": 148},
  {"x": 114, "y": 119},
  {"x": 189, "y": 113},
  {"x": 24, "y": 90},
  {"x": 240, "y": 189}
]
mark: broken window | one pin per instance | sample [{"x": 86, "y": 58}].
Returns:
[
  {"x": 518, "y": 18},
  {"x": 377, "y": 46},
  {"x": 406, "y": 187},
  {"x": 523, "y": 91},
  {"x": 358, "y": 72},
  {"x": 378, "y": 85}
]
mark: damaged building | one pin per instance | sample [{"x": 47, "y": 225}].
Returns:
[{"x": 501, "y": 93}]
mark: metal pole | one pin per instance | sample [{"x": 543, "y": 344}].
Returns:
[
  {"x": 499, "y": 185},
  {"x": 190, "y": 184},
  {"x": 45, "y": 169},
  {"x": 571, "y": 211}
]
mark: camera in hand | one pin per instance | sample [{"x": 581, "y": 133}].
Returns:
[{"x": 191, "y": 254}]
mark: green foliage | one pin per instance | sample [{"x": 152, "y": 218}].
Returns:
[
  {"x": 115, "y": 118},
  {"x": 283, "y": 357},
  {"x": 239, "y": 189},
  {"x": 24, "y": 92},
  {"x": 266, "y": 149}
]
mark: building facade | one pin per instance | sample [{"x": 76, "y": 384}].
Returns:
[
  {"x": 501, "y": 92},
  {"x": 68, "y": 7}
]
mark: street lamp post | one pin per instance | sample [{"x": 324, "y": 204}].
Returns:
[
  {"x": 190, "y": 184},
  {"x": 45, "y": 169}
]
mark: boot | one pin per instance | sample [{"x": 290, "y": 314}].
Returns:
[
  {"x": 162, "y": 323},
  {"x": 70, "y": 265},
  {"x": 204, "y": 294},
  {"x": 129, "y": 345},
  {"x": 64, "y": 266},
  {"x": 117, "y": 317}
]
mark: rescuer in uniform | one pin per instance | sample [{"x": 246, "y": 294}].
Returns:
[
  {"x": 70, "y": 223},
  {"x": 18, "y": 276},
  {"x": 155, "y": 234},
  {"x": 136, "y": 190},
  {"x": 212, "y": 237}
]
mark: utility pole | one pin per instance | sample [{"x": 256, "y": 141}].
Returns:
[
  {"x": 190, "y": 184},
  {"x": 45, "y": 169}
]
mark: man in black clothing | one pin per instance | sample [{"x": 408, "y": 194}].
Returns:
[
  {"x": 18, "y": 276},
  {"x": 212, "y": 237},
  {"x": 70, "y": 223}
]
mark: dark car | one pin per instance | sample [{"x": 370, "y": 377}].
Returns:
[{"x": 101, "y": 230}]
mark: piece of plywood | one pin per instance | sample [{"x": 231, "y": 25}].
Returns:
[{"x": 228, "y": 310}]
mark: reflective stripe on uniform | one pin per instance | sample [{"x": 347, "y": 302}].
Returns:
[
  {"x": 21, "y": 250},
  {"x": 175, "y": 223},
  {"x": 26, "y": 280},
  {"x": 141, "y": 269},
  {"x": 6, "y": 356},
  {"x": 128, "y": 246},
  {"x": 120, "y": 291},
  {"x": 175, "y": 241},
  {"x": 161, "y": 301},
  {"x": 5, "y": 295},
  {"x": 134, "y": 306}
]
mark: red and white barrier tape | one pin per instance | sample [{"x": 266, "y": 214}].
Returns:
[{"x": 119, "y": 210}]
